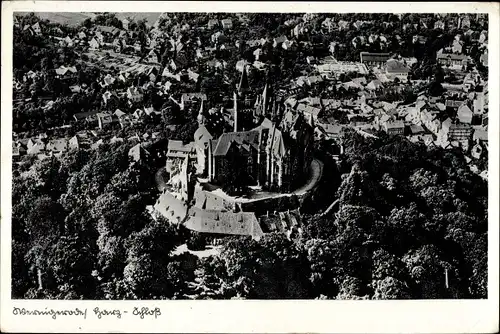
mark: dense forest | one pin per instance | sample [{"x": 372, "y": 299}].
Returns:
[{"x": 411, "y": 222}]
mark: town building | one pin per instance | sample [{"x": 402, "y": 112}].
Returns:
[
  {"x": 452, "y": 60},
  {"x": 374, "y": 59},
  {"x": 227, "y": 24},
  {"x": 213, "y": 23},
  {"x": 394, "y": 127}
]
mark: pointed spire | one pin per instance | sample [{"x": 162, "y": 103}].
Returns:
[
  {"x": 235, "y": 117},
  {"x": 311, "y": 121},
  {"x": 264, "y": 99},
  {"x": 243, "y": 86},
  {"x": 201, "y": 114}
]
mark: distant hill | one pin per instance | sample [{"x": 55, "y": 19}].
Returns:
[
  {"x": 75, "y": 18},
  {"x": 67, "y": 18}
]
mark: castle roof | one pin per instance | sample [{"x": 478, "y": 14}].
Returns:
[
  {"x": 213, "y": 221},
  {"x": 171, "y": 207},
  {"x": 276, "y": 143},
  {"x": 202, "y": 135}
]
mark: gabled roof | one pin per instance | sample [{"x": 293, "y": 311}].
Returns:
[
  {"x": 395, "y": 124},
  {"x": 240, "y": 138},
  {"x": 202, "y": 136},
  {"x": 175, "y": 146},
  {"x": 395, "y": 66},
  {"x": 372, "y": 56},
  {"x": 416, "y": 129},
  {"x": 280, "y": 39},
  {"x": 170, "y": 207},
  {"x": 83, "y": 115},
  {"x": 57, "y": 145},
  {"x": 480, "y": 134},
  {"x": 212, "y": 221},
  {"x": 191, "y": 96},
  {"x": 108, "y": 30},
  {"x": 118, "y": 113},
  {"x": 137, "y": 153}
]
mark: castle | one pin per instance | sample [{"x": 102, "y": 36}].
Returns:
[
  {"x": 269, "y": 146},
  {"x": 275, "y": 154}
]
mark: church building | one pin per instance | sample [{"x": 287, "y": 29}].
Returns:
[{"x": 275, "y": 154}]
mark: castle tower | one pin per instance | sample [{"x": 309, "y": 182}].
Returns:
[
  {"x": 184, "y": 179},
  {"x": 264, "y": 100}
]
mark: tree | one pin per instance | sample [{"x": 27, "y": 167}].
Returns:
[
  {"x": 70, "y": 263},
  {"x": 148, "y": 256},
  {"x": 390, "y": 288},
  {"x": 352, "y": 288},
  {"x": 325, "y": 266},
  {"x": 436, "y": 89},
  {"x": 386, "y": 264},
  {"x": 427, "y": 271},
  {"x": 197, "y": 241},
  {"x": 319, "y": 227}
]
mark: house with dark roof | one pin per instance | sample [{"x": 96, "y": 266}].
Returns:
[
  {"x": 89, "y": 117},
  {"x": 288, "y": 222},
  {"x": 459, "y": 132},
  {"x": 105, "y": 119}
]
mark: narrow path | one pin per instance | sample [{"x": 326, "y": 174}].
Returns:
[
  {"x": 330, "y": 208},
  {"x": 315, "y": 174}
]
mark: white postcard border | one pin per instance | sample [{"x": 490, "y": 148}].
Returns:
[{"x": 256, "y": 316}]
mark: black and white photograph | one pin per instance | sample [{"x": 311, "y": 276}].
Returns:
[{"x": 249, "y": 155}]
